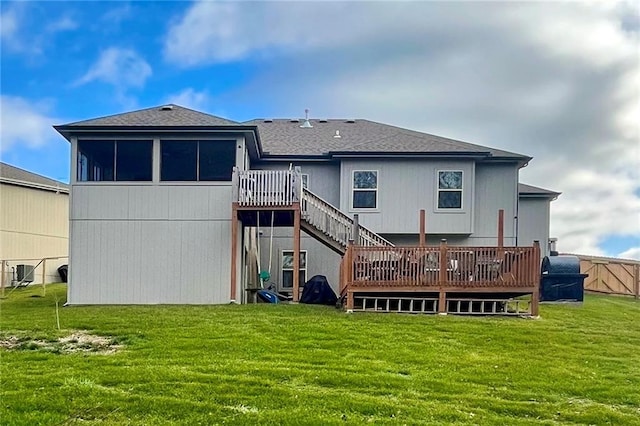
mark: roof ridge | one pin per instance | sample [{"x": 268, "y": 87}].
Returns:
[{"x": 155, "y": 107}]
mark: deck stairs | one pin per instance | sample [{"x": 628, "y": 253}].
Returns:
[{"x": 332, "y": 227}]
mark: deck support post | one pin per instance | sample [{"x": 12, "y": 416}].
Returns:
[
  {"x": 501, "y": 228},
  {"x": 296, "y": 251},
  {"x": 422, "y": 240},
  {"x": 442, "y": 277},
  {"x": 350, "y": 302},
  {"x": 442, "y": 302},
  {"x": 234, "y": 251},
  {"x": 535, "y": 297}
]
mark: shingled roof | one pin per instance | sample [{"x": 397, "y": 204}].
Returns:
[
  {"x": 16, "y": 176},
  {"x": 286, "y": 138},
  {"x": 534, "y": 191},
  {"x": 169, "y": 115}
]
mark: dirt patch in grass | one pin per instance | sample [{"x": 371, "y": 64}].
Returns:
[{"x": 78, "y": 341}]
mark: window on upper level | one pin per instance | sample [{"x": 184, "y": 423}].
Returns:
[
  {"x": 189, "y": 160},
  {"x": 114, "y": 160},
  {"x": 365, "y": 189},
  {"x": 449, "y": 189}
]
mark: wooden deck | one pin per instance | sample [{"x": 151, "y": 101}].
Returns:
[{"x": 471, "y": 280}]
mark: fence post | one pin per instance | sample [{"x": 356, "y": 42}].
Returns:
[
  {"x": 44, "y": 277},
  {"x": 2, "y": 278},
  {"x": 636, "y": 278}
]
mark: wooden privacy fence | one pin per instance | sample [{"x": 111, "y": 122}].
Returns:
[{"x": 611, "y": 276}]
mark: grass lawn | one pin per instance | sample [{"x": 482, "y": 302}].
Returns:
[{"x": 297, "y": 364}]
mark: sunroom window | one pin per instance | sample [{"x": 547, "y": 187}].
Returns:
[
  {"x": 449, "y": 189},
  {"x": 192, "y": 160},
  {"x": 365, "y": 189},
  {"x": 114, "y": 160}
]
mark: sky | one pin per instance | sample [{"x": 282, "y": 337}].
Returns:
[{"x": 558, "y": 81}]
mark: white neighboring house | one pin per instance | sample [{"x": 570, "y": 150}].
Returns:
[{"x": 34, "y": 224}]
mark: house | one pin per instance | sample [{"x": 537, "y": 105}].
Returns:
[
  {"x": 34, "y": 225},
  {"x": 171, "y": 205}
]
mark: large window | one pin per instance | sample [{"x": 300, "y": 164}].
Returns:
[
  {"x": 119, "y": 160},
  {"x": 365, "y": 189},
  {"x": 184, "y": 160},
  {"x": 449, "y": 189},
  {"x": 287, "y": 268}
]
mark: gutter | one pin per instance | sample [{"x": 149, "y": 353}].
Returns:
[{"x": 57, "y": 189}]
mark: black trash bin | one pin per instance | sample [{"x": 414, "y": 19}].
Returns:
[
  {"x": 561, "y": 280},
  {"x": 63, "y": 271}
]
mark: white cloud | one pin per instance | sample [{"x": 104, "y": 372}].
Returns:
[
  {"x": 122, "y": 68},
  {"x": 632, "y": 253},
  {"x": 116, "y": 15},
  {"x": 8, "y": 24},
  {"x": 557, "y": 81},
  {"x": 65, "y": 23},
  {"x": 25, "y": 123},
  {"x": 190, "y": 98}
]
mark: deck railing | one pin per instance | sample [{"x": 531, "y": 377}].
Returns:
[
  {"x": 445, "y": 266},
  {"x": 267, "y": 188}
]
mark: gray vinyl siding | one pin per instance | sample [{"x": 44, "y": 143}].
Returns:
[
  {"x": 324, "y": 178},
  {"x": 496, "y": 187},
  {"x": 533, "y": 222},
  {"x": 320, "y": 259},
  {"x": 405, "y": 187},
  {"x": 150, "y": 244}
]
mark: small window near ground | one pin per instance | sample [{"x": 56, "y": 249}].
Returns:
[
  {"x": 449, "y": 189},
  {"x": 287, "y": 268},
  {"x": 365, "y": 189}
]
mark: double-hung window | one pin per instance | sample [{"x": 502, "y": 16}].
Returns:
[
  {"x": 114, "y": 160},
  {"x": 365, "y": 189},
  {"x": 449, "y": 189}
]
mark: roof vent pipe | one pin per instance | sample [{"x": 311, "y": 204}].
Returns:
[
  {"x": 337, "y": 135},
  {"x": 306, "y": 124}
]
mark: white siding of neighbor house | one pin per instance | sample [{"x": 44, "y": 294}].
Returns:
[
  {"x": 34, "y": 224},
  {"x": 496, "y": 188},
  {"x": 150, "y": 243},
  {"x": 404, "y": 188},
  {"x": 533, "y": 222}
]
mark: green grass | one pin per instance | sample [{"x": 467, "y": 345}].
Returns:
[{"x": 297, "y": 364}]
